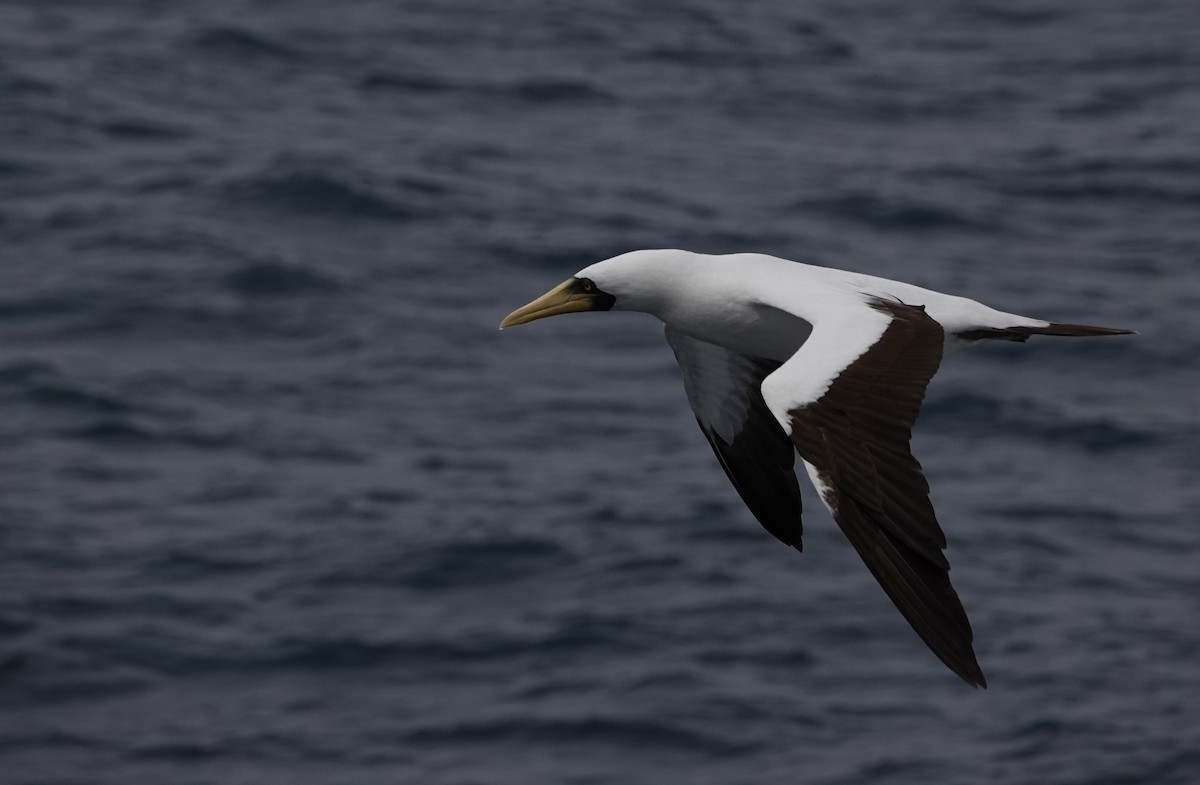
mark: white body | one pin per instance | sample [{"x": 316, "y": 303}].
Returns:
[{"x": 721, "y": 299}]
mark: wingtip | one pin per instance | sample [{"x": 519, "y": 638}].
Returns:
[{"x": 972, "y": 675}]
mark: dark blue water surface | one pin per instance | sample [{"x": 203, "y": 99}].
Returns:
[{"x": 278, "y": 504}]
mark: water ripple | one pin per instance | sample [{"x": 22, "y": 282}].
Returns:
[{"x": 619, "y": 732}]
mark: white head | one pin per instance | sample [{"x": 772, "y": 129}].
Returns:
[{"x": 634, "y": 281}]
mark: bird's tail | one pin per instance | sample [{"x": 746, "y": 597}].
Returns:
[
  {"x": 1022, "y": 333},
  {"x": 1056, "y": 328}
]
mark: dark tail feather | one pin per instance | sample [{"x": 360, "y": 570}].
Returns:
[{"x": 1054, "y": 328}]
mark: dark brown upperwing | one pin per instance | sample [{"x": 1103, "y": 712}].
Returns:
[{"x": 857, "y": 437}]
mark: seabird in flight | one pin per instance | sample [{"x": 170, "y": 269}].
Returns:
[{"x": 780, "y": 357}]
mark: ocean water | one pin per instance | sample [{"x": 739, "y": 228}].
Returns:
[{"x": 278, "y": 504}]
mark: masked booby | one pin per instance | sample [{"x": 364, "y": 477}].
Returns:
[{"x": 780, "y": 357}]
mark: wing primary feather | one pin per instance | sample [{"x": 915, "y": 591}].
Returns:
[{"x": 856, "y": 437}]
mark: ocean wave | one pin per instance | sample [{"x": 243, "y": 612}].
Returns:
[
  {"x": 141, "y": 129},
  {"x": 899, "y": 213},
  {"x": 240, "y": 43},
  {"x": 704, "y": 57},
  {"x": 557, "y": 91},
  {"x": 980, "y": 414},
  {"x": 162, "y": 647},
  {"x": 794, "y": 658},
  {"x": 1011, "y": 15},
  {"x": 194, "y": 318},
  {"x": 23, "y": 85},
  {"x": 624, "y": 732},
  {"x": 63, "y": 675},
  {"x": 296, "y": 187},
  {"x": 539, "y": 91},
  {"x": 10, "y": 167},
  {"x": 130, "y": 432},
  {"x": 25, "y": 371},
  {"x": 1053, "y": 174},
  {"x": 75, "y": 409},
  {"x": 819, "y": 44},
  {"x": 1156, "y": 55},
  {"x": 91, "y": 412},
  {"x": 77, "y": 397},
  {"x": 464, "y": 565},
  {"x": 278, "y": 279},
  {"x": 1124, "y": 189},
  {"x": 1057, "y": 512},
  {"x": 404, "y": 82},
  {"x": 485, "y": 563}
]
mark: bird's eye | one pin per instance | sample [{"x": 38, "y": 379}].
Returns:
[{"x": 588, "y": 285}]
